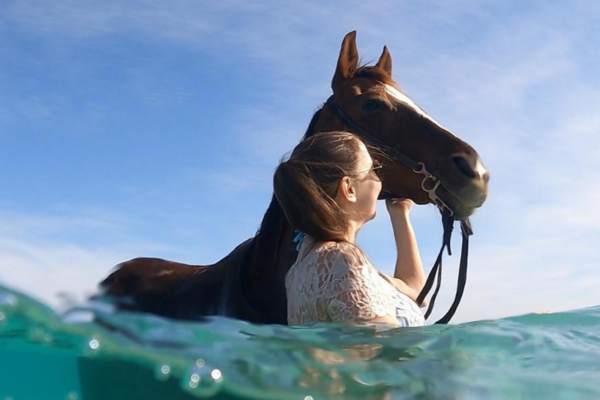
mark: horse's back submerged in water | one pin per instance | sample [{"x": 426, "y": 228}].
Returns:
[
  {"x": 249, "y": 283},
  {"x": 180, "y": 290}
]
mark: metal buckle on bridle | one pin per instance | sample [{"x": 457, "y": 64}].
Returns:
[{"x": 430, "y": 184}]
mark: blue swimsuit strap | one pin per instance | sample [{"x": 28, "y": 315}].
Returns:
[{"x": 299, "y": 239}]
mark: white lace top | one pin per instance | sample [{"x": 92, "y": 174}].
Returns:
[{"x": 336, "y": 282}]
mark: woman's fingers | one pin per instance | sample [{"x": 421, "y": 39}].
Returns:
[{"x": 399, "y": 204}]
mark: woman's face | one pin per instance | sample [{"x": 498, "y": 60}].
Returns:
[{"x": 367, "y": 186}]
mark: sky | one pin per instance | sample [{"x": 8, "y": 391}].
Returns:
[{"x": 152, "y": 128}]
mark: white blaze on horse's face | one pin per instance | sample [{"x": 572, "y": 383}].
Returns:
[{"x": 402, "y": 98}]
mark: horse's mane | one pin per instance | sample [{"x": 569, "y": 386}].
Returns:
[
  {"x": 375, "y": 73},
  {"x": 313, "y": 122},
  {"x": 274, "y": 222},
  {"x": 265, "y": 253}
]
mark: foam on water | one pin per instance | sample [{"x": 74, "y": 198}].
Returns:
[{"x": 92, "y": 353}]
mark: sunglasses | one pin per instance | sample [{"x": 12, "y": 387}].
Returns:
[{"x": 376, "y": 168}]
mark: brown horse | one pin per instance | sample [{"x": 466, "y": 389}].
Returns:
[{"x": 248, "y": 284}]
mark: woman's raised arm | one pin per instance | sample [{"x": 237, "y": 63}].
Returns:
[{"x": 409, "y": 268}]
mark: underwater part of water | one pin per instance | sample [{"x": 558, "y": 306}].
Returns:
[{"x": 92, "y": 353}]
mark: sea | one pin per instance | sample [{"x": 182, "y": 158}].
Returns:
[{"x": 92, "y": 352}]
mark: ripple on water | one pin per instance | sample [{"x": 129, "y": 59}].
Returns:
[{"x": 533, "y": 357}]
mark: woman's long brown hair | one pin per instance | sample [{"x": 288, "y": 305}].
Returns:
[{"x": 306, "y": 184}]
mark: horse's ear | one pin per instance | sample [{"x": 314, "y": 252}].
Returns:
[
  {"x": 348, "y": 60},
  {"x": 385, "y": 61}
]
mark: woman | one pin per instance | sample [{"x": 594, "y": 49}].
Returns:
[{"x": 328, "y": 189}]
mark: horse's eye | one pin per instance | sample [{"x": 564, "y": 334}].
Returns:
[{"x": 372, "y": 106}]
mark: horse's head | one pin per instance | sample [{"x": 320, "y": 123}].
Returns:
[{"x": 366, "y": 99}]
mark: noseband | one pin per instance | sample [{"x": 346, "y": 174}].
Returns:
[{"x": 430, "y": 185}]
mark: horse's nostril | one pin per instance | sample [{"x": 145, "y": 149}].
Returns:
[{"x": 463, "y": 166}]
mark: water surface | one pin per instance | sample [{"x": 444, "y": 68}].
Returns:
[{"x": 92, "y": 353}]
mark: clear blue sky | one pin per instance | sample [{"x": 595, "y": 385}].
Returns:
[{"x": 153, "y": 128}]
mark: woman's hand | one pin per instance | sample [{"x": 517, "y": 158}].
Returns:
[{"x": 399, "y": 206}]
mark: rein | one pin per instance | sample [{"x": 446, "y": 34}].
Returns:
[{"x": 429, "y": 184}]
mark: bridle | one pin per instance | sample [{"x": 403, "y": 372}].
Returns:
[{"x": 430, "y": 184}]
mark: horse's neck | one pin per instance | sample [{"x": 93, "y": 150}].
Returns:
[
  {"x": 324, "y": 121},
  {"x": 273, "y": 237},
  {"x": 273, "y": 251},
  {"x": 273, "y": 241}
]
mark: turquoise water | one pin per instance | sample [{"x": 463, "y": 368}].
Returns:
[{"x": 92, "y": 354}]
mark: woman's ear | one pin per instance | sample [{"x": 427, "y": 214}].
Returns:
[{"x": 347, "y": 189}]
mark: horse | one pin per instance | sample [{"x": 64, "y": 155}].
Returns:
[{"x": 248, "y": 283}]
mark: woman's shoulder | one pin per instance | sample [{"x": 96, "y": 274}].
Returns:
[
  {"x": 333, "y": 247},
  {"x": 341, "y": 255}
]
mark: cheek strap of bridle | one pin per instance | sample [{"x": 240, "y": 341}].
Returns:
[{"x": 447, "y": 218}]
